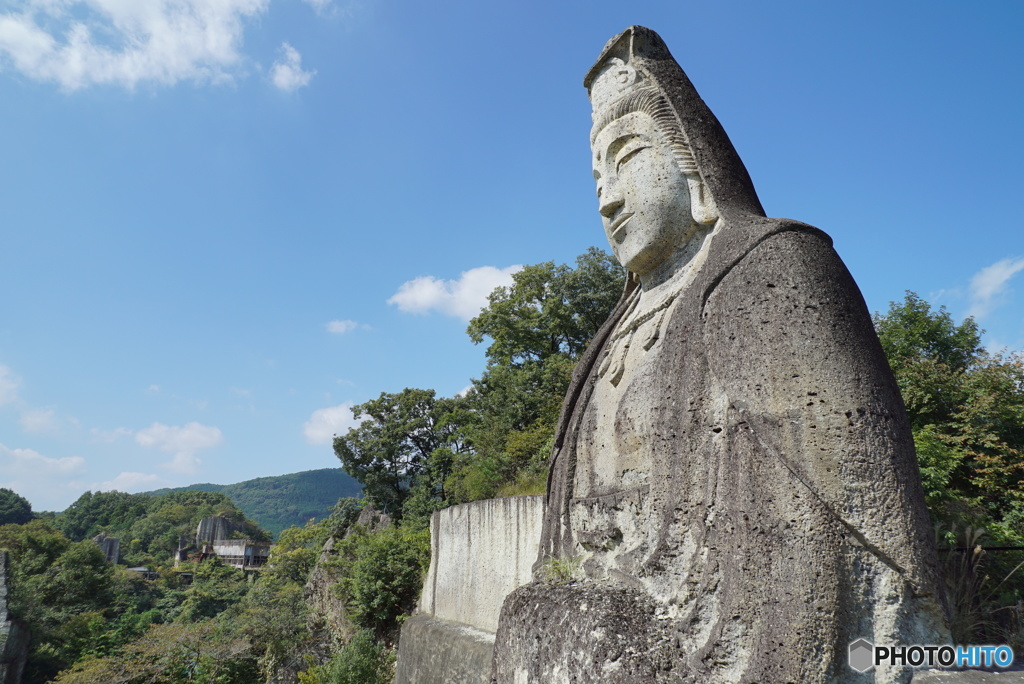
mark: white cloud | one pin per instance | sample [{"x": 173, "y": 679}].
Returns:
[
  {"x": 17, "y": 462},
  {"x": 8, "y": 386},
  {"x": 462, "y": 298},
  {"x": 80, "y": 43},
  {"x": 182, "y": 441},
  {"x": 46, "y": 482},
  {"x": 327, "y": 422},
  {"x": 991, "y": 284},
  {"x": 287, "y": 73},
  {"x": 38, "y": 420},
  {"x": 131, "y": 482},
  {"x": 342, "y": 327},
  {"x": 319, "y": 5}
]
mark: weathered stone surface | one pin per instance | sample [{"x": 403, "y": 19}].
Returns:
[
  {"x": 14, "y": 638},
  {"x": 213, "y": 528},
  {"x": 733, "y": 452},
  {"x": 611, "y": 635},
  {"x": 110, "y": 546},
  {"x": 480, "y": 552},
  {"x": 327, "y": 614},
  {"x": 373, "y": 519},
  {"x": 433, "y": 651}
]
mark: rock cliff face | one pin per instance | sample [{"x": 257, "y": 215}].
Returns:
[{"x": 14, "y": 637}]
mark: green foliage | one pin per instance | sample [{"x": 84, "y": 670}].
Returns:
[
  {"x": 382, "y": 575},
  {"x": 363, "y": 660},
  {"x": 92, "y": 513},
  {"x": 966, "y": 409},
  {"x": 537, "y": 329},
  {"x": 61, "y": 589},
  {"x": 14, "y": 508},
  {"x": 176, "y": 653},
  {"x": 276, "y": 503},
  {"x": 549, "y": 309},
  {"x": 214, "y": 588},
  {"x": 561, "y": 570},
  {"x": 391, "y": 450},
  {"x": 297, "y": 550},
  {"x": 272, "y": 619}
]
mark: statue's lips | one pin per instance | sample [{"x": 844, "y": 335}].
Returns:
[{"x": 618, "y": 227}]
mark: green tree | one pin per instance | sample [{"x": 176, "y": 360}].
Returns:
[
  {"x": 390, "y": 451},
  {"x": 382, "y": 575},
  {"x": 966, "y": 409},
  {"x": 61, "y": 589},
  {"x": 109, "y": 511},
  {"x": 549, "y": 309},
  {"x": 14, "y": 508}
]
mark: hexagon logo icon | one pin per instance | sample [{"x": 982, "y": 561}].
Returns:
[{"x": 861, "y": 652}]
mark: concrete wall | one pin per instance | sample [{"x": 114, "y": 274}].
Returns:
[
  {"x": 481, "y": 551},
  {"x": 433, "y": 651}
]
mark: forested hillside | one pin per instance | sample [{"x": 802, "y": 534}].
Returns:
[{"x": 276, "y": 503}]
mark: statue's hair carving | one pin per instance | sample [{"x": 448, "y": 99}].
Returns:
[{"x": 651, "y": 102}]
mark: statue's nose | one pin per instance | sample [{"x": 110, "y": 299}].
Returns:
[{"x": 610, "y": 200}]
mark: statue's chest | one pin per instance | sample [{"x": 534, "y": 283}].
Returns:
[{"x": 638, "y": 406}]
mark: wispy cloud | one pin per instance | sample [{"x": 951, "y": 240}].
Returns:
[
  {"x": 991, "y": 284},
  {"x": 42, "y": 480},
  {"x": 38, "y": 420},
  {"x": 287, "y": 73},
  {"x": 320, "y": 6},
  {"x": 325, "y": 423},
  {"x": 462, "y": 298},
  {"x": 131, "y": 482},
  {"x": 183, "y": 441},
  {"x": 8, "y": 386},
  {"x": 342, "y": 327},
  {"x": 80, "y": 43}
]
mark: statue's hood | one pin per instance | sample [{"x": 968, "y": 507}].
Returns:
[{"x": 724, "y": 174}]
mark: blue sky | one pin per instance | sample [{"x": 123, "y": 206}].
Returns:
[{"x": 225, "y": 221}]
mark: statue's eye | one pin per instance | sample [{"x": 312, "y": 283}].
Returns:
[{"x": 628, "y": 156}]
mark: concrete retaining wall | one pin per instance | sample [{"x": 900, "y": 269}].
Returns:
[
  {"x": 433, "y": 651},
  {"x": 481, "y": 551}
]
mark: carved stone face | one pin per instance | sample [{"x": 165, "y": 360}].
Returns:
[{"x": 643, "y": 196}]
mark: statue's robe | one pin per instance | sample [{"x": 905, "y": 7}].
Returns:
[{"x": 780, "y": 515}]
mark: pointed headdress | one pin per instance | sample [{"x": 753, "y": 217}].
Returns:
[{"x": 636, "y": 72}]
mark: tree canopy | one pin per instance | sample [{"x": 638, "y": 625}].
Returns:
[
  {"x": 966, "y": 409},
  {"x": 14, "y": 508}
]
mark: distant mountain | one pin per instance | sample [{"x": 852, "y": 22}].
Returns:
[{"x": 280, "y": 502}]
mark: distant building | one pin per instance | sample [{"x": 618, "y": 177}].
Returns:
[
  {"x": 242, "y": 553},
  {"x": 212, "y": 535},
  {"x": 145, "y": 572}
]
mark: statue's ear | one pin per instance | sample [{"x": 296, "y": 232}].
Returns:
[{"x": 702, "y": 204}]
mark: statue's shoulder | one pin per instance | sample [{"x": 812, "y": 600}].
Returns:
[{"x": 746, "y": 242}]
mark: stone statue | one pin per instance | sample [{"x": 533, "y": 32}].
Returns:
[{"x": 733, "y": 468}]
